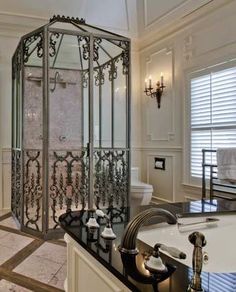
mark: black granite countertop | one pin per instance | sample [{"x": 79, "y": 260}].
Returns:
[{"x": 107, "y": 253}]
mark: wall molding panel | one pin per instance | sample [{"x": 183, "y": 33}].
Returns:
[
  {"x": 161, "y": 61},
  {"x": 148, "y": 8},
  {"x": 6, "y": 178}
]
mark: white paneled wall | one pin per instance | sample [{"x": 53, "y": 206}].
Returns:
[
  {"x": 177, "y": 50},
  {"x": 7, "y": 47}
]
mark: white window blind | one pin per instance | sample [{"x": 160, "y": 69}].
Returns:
[{"x": 213, "y": 115}]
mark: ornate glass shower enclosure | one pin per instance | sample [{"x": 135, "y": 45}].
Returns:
[{"x": 70, "y": 123}]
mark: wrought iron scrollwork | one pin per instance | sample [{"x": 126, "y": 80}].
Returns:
[
  {"x": 85, "y": 77},
  {"x": 16, "y": 64},
  {"x": 69, "y": 183},
  {"x": 85, "y": 46},
  {"x": 52, "y": 43},
  {"x": 111, "y": 178},
  {"x": 125, "y": 56},
  {"x": 62, "y": 18},
  {"x": 96, "y": 43},
  {"x": 38, "y": 40},
  {"x": 112, "y": 71},
  {"x": 33, "y": 189},
  {"x": 99, "y": 77},
  {"x": 16, "y": 198}
]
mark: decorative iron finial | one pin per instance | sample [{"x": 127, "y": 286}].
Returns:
[{"x": 68, "y": 19}]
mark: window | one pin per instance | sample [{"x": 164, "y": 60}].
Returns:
[{"x": 213, "y": 114}]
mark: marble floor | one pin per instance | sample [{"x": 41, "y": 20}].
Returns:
[{"x": 28, "y": 263}]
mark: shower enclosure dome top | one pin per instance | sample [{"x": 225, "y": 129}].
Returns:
[{"x": 70, "y": 123}]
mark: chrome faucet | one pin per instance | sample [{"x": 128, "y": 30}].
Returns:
[{"x": 199, "y": 241}]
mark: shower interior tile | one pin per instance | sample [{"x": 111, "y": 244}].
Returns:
[
  {"x": 40, "y": 269},
  {"x": 51, "y": 252},
  {"x": 15, "y": 241},
  {"x": 9, "y": 222},
  {"x": 8, "y": 286}
]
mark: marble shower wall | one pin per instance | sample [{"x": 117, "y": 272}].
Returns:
[{"x": 65, "y": 110}]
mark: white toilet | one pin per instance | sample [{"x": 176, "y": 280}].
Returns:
[{"x": 141, "y": 193}]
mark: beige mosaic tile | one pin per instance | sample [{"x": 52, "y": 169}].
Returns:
[{"x": 6, "y": 286}]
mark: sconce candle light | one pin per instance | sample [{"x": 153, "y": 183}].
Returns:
[{"x": 157, "y": 93}]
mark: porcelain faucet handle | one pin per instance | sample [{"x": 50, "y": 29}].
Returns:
[
  {"x": 101, "y": 214},
  {"x": 154, "y": 264}
]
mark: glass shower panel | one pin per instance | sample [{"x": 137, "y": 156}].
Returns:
[
  {"x": 96, "y": 117},
  {"x": 106, "y": 111},
  {"x": 16, "y": 199},
  {"x": 110, "y": 112},
  {"x": 33, "y": 132},
  {"x": 120, "y": 107},
  {"x": 67, "y": 154}
]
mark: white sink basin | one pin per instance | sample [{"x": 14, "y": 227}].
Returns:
[{"x": 221, "y": 242}]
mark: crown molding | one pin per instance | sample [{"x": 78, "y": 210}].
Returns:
[
  {"x": 149, "y": 38},
  {"x": 16, "y": 25}
]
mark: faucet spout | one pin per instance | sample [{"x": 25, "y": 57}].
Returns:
[
  {"x": 128, "y": 242},
  {"x": 129, "y": 252}
]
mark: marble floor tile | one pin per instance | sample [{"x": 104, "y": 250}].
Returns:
[
  {"x": 52, "y": 252},
  {"x": 3, "y": 234},
  {"x": 59, "y": 278},
  {"x": 41, "y": 269},
  {"x": 9, "y": 222},
  {"x": 6, "y": 286},
  {"x": 3, "y": 212},
  {"x": 15, "y": 241},
  {"x": 6, "y": 253}
]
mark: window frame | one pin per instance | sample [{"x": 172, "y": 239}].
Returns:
[{"x": 190, "y": 74}]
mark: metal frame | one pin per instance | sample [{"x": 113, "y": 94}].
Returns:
[
  {"x": 217, "y": 189},
  {"x": 117, "y": 155}
]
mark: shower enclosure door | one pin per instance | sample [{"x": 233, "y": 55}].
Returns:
[
  {"x": 71, "y": 123},
  {"x": 68, "y": 128}
]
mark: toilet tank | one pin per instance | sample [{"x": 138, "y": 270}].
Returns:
[{"x": 135, "y": 174}]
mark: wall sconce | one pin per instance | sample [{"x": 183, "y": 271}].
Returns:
[{"x": 157, "y": 93}]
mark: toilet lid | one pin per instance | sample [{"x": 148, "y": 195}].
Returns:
[{"x": 138, "y": 186}]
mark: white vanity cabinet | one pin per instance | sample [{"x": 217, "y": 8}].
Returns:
[{"x": 86, "y": 274}]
